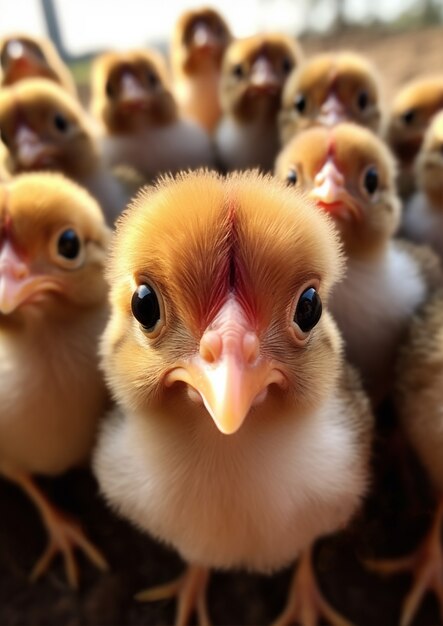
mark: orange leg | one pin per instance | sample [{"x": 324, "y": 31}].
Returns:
[
  {"x": 190, "y": 591},
  {"x": 64, "y": 534},
  {"x": 426, "y": 565},
  {"x": 306, "y": 603}
]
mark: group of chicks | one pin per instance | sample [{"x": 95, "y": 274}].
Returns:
[{"x": 273, "y": 304}]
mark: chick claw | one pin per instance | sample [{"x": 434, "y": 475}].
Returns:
[
  {"x": 190, "y": 590},
  {"x": 305, "y": 601},
  {"x": 426, "y": 565}
]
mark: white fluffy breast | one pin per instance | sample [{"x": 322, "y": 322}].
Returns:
[
  {"x": 423, "y": 224},
  {"x": 243, "y": 146},
  {"x": 253, "y": 499}
]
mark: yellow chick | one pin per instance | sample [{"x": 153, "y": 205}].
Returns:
[
  {"x": 199, "y": 41},
  {"x": 328, "y": 89},
  {"x": 423, "y": 219},
  {"x": 53, "y": 306},
  {"x": 254, "y": 72},
  {"x": 132, "y": 99},
  {"x": 350, "y": 174},
  {"x": 240, "y": 435},
  {"x": 408, "y": 119},
  {"x": 23, "y": 56},
  {"x": 44, "y": 128}
]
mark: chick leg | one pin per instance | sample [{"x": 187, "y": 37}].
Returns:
[
  {"x": 190, "y": 590},
  {"x": 306, "y": 603},
  {"x": 64, "y": 534},
  {"x": 426, "y": 565}
]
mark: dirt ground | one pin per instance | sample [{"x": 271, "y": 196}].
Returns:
[{"x": 392, "y": 520}]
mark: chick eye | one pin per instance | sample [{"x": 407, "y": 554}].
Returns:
[
  {"x": 362, "y": 100},
  {"x": 109, "y": 89},
  {"x": 300, "y": 103},
  {"x": 68, "y": 244},
  {"x": 3, "y": 138},
  {"x": 370, "y": 181},
  {"x": 152, "y": 79},
  {"x": 291, "y": 178},
  {"x": 408, "y": 117},
  {"x": 238, "y": 71},
  {"x": 286, "y": 65},
  {"x": 145, "y": 307},
  {"x": 61, "y": 123},
  {"x": 308, "y": 310}
]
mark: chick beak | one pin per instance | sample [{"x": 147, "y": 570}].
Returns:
[
  {"x": 30, "y": 150},
  {"x": 228, "y": 372},
  {"x": 330, "y": 194},
  {"x": 332, "y": 111},
  {"x": 18, "y": 60},
  {"x": 263, "y": 76},
  {"x": 203, "y": 38},
  {"x": 17, "y": 284},
  {"x": 132, "y": 91}
]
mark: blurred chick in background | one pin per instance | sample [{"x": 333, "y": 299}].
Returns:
[
  {"x": 254, "y": 72},
  {"x": 53, "y": 306},
  {"x": 240, "y": 435},
  {"x": 23, "y": 56},
  {"x": 328, "y": 89},
  {"x": 132, "y": 99},
  {"x": 43, "y": 128},
  {"x": 423, "y": 220},
  {"x": 350, "y": 174},
  {"x": 409, "y": 117},
  {"x": 198, "y": 43}
]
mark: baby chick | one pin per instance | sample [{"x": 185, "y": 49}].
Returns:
[
  {"x": 240, "y": 436},
  {"x": 44, "y": 128},
  {"x": 198, "y": 44},
  {"x": 329, "y": 89},
  {"x": 23, "y": 56},
  {"x": 350, "y": 174},
  {"x": 411, "y": 112},
  {"x": 423, "y": 220},
  {"x": 419, "y": 406},
  {"x": 132, "y": 98},
  {"x": 53, "y": 305},
  {"x": 254, "y": 72}
]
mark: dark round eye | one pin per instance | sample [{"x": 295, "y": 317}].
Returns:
[
  {"x": 308, "y": 311},
  {"x": 109, "y": 89},
  {"x": 3, "y": 138},
  {"x": 61, "y": 123},
  {"x": 145, "y": 307},
  {"x": 152, "y": 79},
  {"x": 291, "y": 178},
  {"x": 371, "y": 180},
  {"x": 409, "y": 116},
  {"x": 300, "y": 103},
  {"x": 362, "y": 100},
  {"x": 286, "y": 65},
  {"x": 68, "y": 245},
  {"x": 238, "y": 71}
]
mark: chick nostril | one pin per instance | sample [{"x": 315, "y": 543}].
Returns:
[
  {"x": 210, "y": 346},
  {"x": 250, "y": 348}
]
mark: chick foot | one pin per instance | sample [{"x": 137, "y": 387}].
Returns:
[
  {"x": 64, "y": 534},
  {"x": 190, "y": 590},
  {"x": 426, "y": 565},
  {"x": 306, "y": 603}
]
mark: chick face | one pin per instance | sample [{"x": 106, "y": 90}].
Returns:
[
  {"x": 411, "y": 112},
  {"x": 200, "y": 40},
  {"x": 44, "y": 128},
  {"x": 254, "y": 71},
  {"x": 217, "y": 291},
  {"x": 350, "y": 174},
  {"x": 429, "y": 164},
  {"x": 22, "y": 56},
  {"x": 329, "y": 89},
  {"x": 131, "y": 90},
  {"x": 53, "y": 243}
]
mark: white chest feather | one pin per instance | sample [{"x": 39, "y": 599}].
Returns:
[
  {"x": 372, "y": 306},
  {"x": 248, "y": 145},
  {"x": 423, "y": 224},
  {"x": 108, "y": 192},
  {"x": 253, "y": 499}
]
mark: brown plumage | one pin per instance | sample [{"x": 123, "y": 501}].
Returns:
[
  {"x": 199, "y": 41},
  {"x": 254, "y": 72},
  {"x": 53, "y": 306},
  {"x": 229, "y": 379},
  {"x": 328, "y": 89},
  {"x": 23, "y": 56},
  {"x": 43, "y": 128}
]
